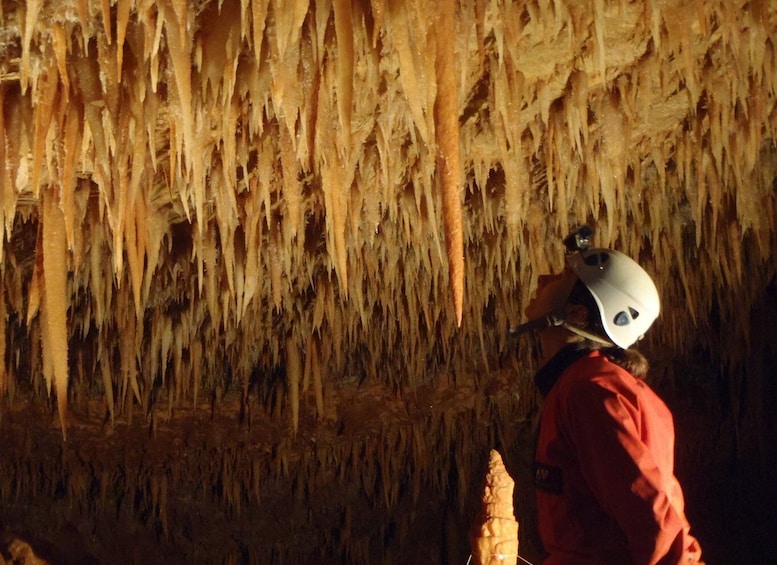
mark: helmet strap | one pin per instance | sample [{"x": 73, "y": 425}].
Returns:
[
  {"x": 550, "y": 320},
  {"x": 586, "y": 334}
]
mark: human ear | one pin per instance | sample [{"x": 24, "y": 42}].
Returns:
[{"x": 577, "y": 315}]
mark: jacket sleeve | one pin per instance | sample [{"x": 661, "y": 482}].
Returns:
[{"x": 605, "y": 427}]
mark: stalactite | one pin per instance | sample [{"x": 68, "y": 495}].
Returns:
[
  {"x": 179, "y": 45},
  {"x": 46, "y": 88},
  {"x": 128, "y": 350},
  {"x": 55, "y": 299},
  {"x": 447, "y": 139},
  {"x": 293, "y": 373},
  {"x": 105, "y": 370},
  {"x": 336, "y": 186},
  {"x": 344, "y": 32},
  {"x": 411, "y": 70}
]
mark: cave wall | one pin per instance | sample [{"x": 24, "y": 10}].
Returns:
[{"x": 258, "y": 257}]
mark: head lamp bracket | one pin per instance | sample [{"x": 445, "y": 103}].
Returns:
[{"x": 579, "y": 240}]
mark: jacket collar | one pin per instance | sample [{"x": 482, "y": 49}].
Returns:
[{"x": 551, "y": 371}]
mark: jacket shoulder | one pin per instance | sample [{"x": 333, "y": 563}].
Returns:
[{"x": 594, "y": 374}]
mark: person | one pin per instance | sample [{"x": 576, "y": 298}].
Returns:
[{"x": 604, "y": 466}]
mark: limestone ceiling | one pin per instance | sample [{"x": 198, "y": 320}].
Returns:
[{"x": 196, "y": 194}]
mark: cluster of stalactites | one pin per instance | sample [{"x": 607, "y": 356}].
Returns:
[{"x": 363, "y": 178}]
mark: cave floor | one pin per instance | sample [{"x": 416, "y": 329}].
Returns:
[{"x": 206, "y": 486}]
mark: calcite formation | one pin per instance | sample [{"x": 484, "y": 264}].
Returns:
[
  {"x": 494, "y": 534},
  {"x": 263, "y": 179}
]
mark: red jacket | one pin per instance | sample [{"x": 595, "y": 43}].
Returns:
[{"x": 604, "y": 470}]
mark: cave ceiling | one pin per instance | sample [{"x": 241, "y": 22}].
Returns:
[{"x": 201, "y": 197}]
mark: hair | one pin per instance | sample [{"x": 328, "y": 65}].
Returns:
[{"x": 630, "y": 359}]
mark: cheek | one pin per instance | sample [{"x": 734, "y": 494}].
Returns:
[
  {"x": 544, "y": 302},
  {"x": 550, "y": 297}
]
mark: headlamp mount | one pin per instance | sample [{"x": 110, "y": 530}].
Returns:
[{"x": 579, "y": 240}]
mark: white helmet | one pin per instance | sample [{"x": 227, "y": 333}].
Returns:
[{"x": 625, "y": 294}]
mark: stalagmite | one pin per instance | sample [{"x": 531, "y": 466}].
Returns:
[{"x": 494, "y": 534}]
